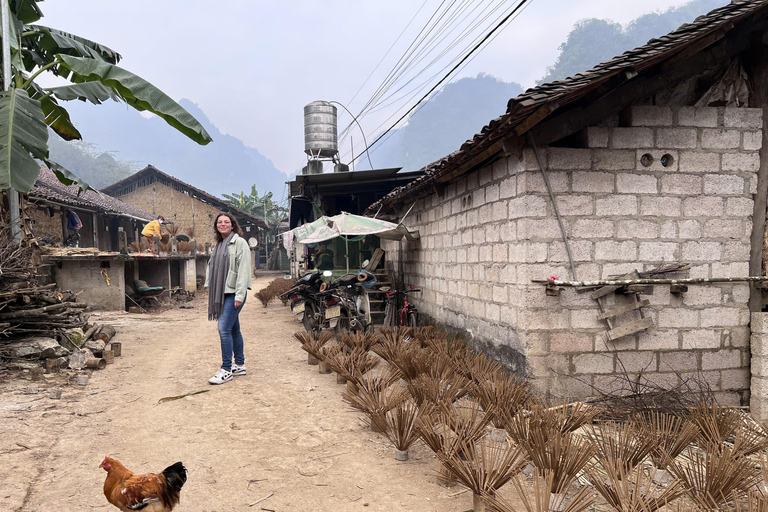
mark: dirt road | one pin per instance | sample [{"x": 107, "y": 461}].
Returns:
[{"x": 279, "y": 439}]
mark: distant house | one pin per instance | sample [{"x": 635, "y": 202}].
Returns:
[
  {"x": 101, "y": 215},
  {"x": 652, "y": 158},
  {"x": 162, "y": 194}
]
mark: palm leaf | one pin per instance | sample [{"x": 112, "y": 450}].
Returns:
[
  {"x": 137, "y": 92},
  {"x": 88, "y": 91},
  {"x": 57, "y": 41},
  {"x": 56, "y": 116},
  {"x": 65, "y": 176},
  {"x": 23, "y": 137},
  {"x": 26, "y": 11}
]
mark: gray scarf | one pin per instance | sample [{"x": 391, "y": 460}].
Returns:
[{"x": 217, "y": 277}]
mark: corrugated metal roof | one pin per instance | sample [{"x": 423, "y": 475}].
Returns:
[
  {"x": 568, "y": 90},
  {"x": 48, "y": 187}
]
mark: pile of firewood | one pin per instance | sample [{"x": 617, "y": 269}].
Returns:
[{"x": 29, "y": 310}]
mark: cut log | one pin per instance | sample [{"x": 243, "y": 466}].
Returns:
[
  {"x": 24, "y": 313},
  {"x": 106, "y": 333},
  {"x": 89, "y": 332}
]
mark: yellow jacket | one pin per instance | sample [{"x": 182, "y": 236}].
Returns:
[{"x": 153, "y": 228}]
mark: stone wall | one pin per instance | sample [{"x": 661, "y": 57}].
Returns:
[
  {"x": 179, "y": 208},
  {"x": 674, "y": 186}
]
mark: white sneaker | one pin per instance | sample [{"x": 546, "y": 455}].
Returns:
[
  {"x": 221, "y": 377},
  {"x": 238, "y": 370}
]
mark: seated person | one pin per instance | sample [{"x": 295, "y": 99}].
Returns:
[{"x": 324, "y": 258}]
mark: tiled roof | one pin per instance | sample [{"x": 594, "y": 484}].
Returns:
[
  {"x": 563, "y": 92},
  {"x": 49, "y": 187},
  {"x": 202, "y": 195}
]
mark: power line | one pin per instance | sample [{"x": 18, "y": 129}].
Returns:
[{"x": 521, "y": 4}]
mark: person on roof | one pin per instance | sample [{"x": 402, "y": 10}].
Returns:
[{"x": 151, "y": 229}]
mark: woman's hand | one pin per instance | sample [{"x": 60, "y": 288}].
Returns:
[{"x": 238, "y": 304}]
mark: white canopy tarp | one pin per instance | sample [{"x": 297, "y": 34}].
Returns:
[{"x": 347, "y": 224}]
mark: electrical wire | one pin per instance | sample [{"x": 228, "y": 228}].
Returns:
[{"x": 464, "y": 59}]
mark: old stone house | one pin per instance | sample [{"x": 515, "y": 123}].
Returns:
[
  {"x": 652, "y": 158},
  {"x": 162, "y": 194}
]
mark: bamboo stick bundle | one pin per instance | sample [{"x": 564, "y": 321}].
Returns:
[
  {"x": 399, "y": 422},
  {"x": 542, "y": 498},
  {"x": 351, "y": 365},
  {"x": 477, "y": 367},
  {"x": 716, "y": 423},
  {"x": 634, "y": 490},
  {"x": 484, "y": 466},
  {"x": 716, "y": 478},
  {"x": 669, "y": 435},
  {"x": 436, "y": 390},
  {"x": 363, "y": 339},
  {"x": 620, "y": 444},
  {"x": 500, "y": 391},
  {"x": 375, "y": 397},
  {"x": 313, "y": 343}
]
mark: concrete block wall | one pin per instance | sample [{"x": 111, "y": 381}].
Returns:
[
  {"x": 179, "y": 208},
  {"x": 45, "y": 225},
  {"x": 87, "y": 275},
  {"x": 758, "y": 400},
  {"x": 674, "y": 186}
]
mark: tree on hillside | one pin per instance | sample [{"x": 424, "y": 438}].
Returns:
[
  {"x": 26, "y": 107},
  {"x": 259, "y": 206},
  {"x": 593, "y": 41}
]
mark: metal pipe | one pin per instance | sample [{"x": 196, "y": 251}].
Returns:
[
  {"x": 554, "y": 204},
  {"x": 622, "y": 282}
]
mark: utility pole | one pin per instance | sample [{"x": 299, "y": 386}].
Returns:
[{"x": 13, "y": 196}]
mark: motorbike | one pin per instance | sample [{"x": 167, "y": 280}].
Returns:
[{"x": 303, "y": 299}]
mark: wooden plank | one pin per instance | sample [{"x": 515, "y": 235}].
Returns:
[
  {"x": 605, "y": 290},
  {"x": 375, "y": 259},
  {"x": 630, "y": 328},
  {"x": 624, "y": 309}
]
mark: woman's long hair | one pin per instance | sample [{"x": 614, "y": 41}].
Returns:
[{"x": 235, "y": 226}]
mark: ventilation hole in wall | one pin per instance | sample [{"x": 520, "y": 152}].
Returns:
[
  {"x": 667, "y": 160},
  {"x": 104, "y": 264},
  {"x": 646, "y": 160}
]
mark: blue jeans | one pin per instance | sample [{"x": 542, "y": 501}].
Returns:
[{"x": 229, "y": 332}]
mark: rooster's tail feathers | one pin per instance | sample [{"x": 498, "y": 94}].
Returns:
[{"x": 175, "y": 477}]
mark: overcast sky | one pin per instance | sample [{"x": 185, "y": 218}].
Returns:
[{"x": 252, "y": 65}]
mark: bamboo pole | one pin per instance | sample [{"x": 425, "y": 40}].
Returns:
[{"x": 622, "y": 282}]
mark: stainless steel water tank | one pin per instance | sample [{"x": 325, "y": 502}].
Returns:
[{"x": 320, "y": 132}]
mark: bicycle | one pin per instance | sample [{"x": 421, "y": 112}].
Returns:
[{"x": 408, "y": 315}]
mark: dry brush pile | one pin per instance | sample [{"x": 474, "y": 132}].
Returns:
[
  {"x": 276, "y": 287},
  {"x": 485, "y": 426}
]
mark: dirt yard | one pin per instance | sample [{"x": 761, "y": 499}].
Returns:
[{"x": 280, "y": 438}]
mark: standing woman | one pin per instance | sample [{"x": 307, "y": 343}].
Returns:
[{"x": 228, "y": 279}]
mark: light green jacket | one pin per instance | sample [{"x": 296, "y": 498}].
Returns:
[{"x": 239, "y": 276}]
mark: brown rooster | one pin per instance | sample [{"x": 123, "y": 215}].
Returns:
[{"x": 151, "y": 492}]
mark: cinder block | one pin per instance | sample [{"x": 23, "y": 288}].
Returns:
[
  {"x": 749, "y": 118},
  {"x": 620, "y": 205},
  {"x": 636, "y": 183},
  {"x": 708, "y": 206},
  {"x": 736, "y": 251},
  {"x": 508, "y": 187},
  {"x": 720, "y": 359},
  {"x": 572, "y": 204},
  {"x": 681, "y": 184},
  {"x": 637, "y": 229},
  {"x": 598, "y": 136},
  {"x": 758, "y": 398},
  {"x": 759, "y": 324},
  {"x": 611, "y": 250},
  {"x": 749, "y": 162},
  {"x": 569, "y": 158},
  {"x": 492, "y": 193},
  {"x": 635, "y": 137},
  {"x": 720, "y": 139},
  {"x": 592, "y": 364},
  {"x": 500, "y": 170},
  {"x": 634, "y": 362},
  {"x": 649, "y": 115},
  {"x": 722, "y": 317},
  {"x": 532, "y": 182},
  {"x": 678, "y": 317},
  {"x": 697, "y": 116},
  {"x": 723, "y": 228},
  {"x": 702, "y": 251},
  {"x": 700, "y": 295},
  {"x": 676, "y": 138},
  {"x": 492, "y": 312},
  {"x": 613, "y": 159},
  {"x": 660, "y": 206},
  {"x": 734, "y": 380},
  {"x": 659, "y": 251},
  {"x": 500, "y": 253},
  {"x": 689, "y": 229},
  {"x": 752, "y": 141},
  {"x": 527, "y": 206},
  {"x": 678, "y": 361},
  {"x": 698, "y": 161},
  {"x": 543, "y": 319},
  {"x": 571, "y": 342},
  {"x": 659, "y": 339},
  {"x": 592, "y": 181},
  {"x": 721, "y": 184},
  {"x": 538, "y": 229},
  {"x": 668, "y": 229}
]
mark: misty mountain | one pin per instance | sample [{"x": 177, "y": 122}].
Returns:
[
  {"x": 225, "y": 165},
  {"x": 443, "y": 123}
]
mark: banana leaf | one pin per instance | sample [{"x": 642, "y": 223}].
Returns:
[
  {"x": 23, "y": 137},
  {"x": 136, "y": 92},
  {"x": 88, "y": 91}
]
